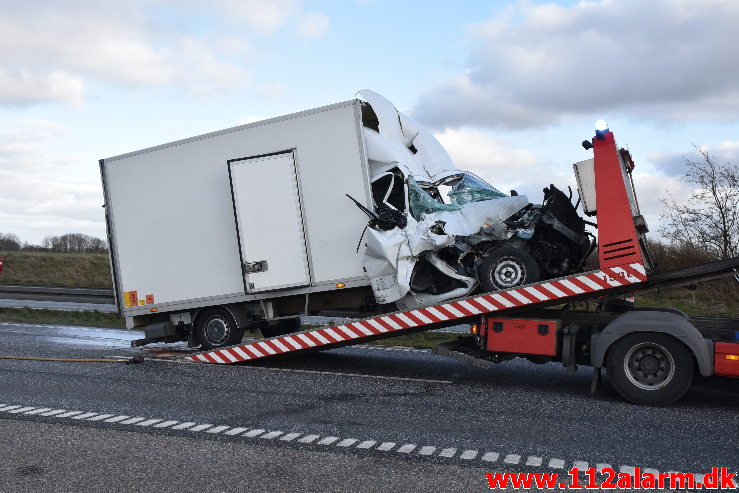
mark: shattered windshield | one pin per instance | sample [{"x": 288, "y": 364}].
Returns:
[
  {"x": 471, "y": 189},
  {"x": 421, "y": 202}
]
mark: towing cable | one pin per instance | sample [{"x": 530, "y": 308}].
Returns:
[{"x": 128, "y": 361}]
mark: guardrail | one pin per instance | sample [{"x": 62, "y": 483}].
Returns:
[{"x": 57, "y": 293}]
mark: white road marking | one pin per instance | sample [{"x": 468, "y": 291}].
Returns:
[
  {"x": 183, "y": 426},
  {"x": 407, "y": 448},
  {"x": 427, "y": 450},
  {"x": 217, "y": 429},
  {"x": 290, "y": 437},
  {"x": 272, "y": 435},
  {"x": 235, "y": 431},
  {"x": 556, "y": 464},
  {"x": 327, "y": 440},
  {"x": 54, "y": 412},
  {"x": 490, "y": 456},
  {"x": 533, "y": 461},
  {"x": 448, "y": 452},
  {"x": 166, "y": 424},
  {"x": 253, "y": 433},
  {"x": 468, "y": 454},
  {"x": 69, "y": 414},
  {"x": 37, "y": 411},
  {"x": 512, "y": 459},
  {"x": 22, "y": 410},
  {"x": 148, "y": 422}
]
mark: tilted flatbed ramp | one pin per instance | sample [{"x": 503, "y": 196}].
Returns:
[{"x": 613, "y": 281}]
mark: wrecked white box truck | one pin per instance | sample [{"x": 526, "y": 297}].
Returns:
[{"x": 346, "y": 209}]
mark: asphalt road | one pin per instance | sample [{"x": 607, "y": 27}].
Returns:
[{"x": 363, "y": 419}]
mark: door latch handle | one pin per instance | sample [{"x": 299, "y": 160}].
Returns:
[{"x": 253, "y": 267}]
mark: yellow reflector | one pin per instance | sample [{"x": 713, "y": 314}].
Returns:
[
  {"x": 152, "y": 309},
  {"x": 340, "y": 284},
  {"x": 733, "y": 357}
]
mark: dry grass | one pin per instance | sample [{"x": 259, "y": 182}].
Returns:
[
  {"x": 84, "y": 270},
  {"x": 62, "y": 317}
]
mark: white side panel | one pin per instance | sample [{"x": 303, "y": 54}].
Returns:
[
  {"x": 172, "y": 213},
  {"x": 265, "y": 194},
  {"x": 585, "y": 174}
]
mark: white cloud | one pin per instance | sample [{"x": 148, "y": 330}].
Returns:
[
  {"x": 264, "y": 15},
  {"x": 54, "y": 50},
  {"x": 272, "y": 91},
  {"x": 538, "y": 64},
  {"x": 500, "y": 163},
  {"x": 38, "y": 192},
  {"x": 22, "y": 87},
  {"x": 673, "y": 163},
  {"x": 312, "y": 25}
]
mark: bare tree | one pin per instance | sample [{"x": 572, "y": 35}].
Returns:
[
  {"x": 708, "y": 220},
  {"x": 74, "y": 243},
  {"x": 9, "y": 242}
]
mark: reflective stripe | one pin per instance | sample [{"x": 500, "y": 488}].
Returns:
[{"x": 502, "y": 300}]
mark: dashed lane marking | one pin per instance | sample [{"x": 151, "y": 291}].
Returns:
[{"x": 468, "y": 455}]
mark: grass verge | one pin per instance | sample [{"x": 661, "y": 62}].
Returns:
[
  {"x": 79, "y": 270},
  {"x": 62, "y": 317}
]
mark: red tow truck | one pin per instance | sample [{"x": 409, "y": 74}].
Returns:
[{"x": 650, "y": 353}]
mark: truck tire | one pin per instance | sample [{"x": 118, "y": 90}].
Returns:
[
  {"x": 650, "y": 368},
  {"x": 216, "y": 328},
  {"x": 505, "y": 268},
  {"x": 283, "y": 326}
]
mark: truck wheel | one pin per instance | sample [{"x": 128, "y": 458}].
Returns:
[
  {"x": 505, "y": 268},
  {"x": 216, "y": 327},
  {"x": 650, "y": 368},
  {"x": 283, "y": 326}
]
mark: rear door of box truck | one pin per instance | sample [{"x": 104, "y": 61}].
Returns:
[{"x": 265, "y": 191}]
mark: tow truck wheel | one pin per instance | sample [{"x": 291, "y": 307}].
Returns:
[
  {"x": 650, "y": 368},
  {"x": 216, "y": 327},
  {"x": 505, "y": 268}
]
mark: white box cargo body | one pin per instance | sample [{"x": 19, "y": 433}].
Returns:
[{"x": 242, "y": 214}]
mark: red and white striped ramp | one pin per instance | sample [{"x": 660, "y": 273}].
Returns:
[{"x": 581, "y": 286}]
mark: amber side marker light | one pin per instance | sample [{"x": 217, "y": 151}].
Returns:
[
  {"x": 152, "y": 309},
  {"x": 473, "y": 329},
  {"x": 340, "y": 284},
  {"x": 733, "y": 357}
]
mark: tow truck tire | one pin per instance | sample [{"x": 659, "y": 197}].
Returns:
[
  {"x": 650, "y": 368},
  {"x": 505, "y": 268},
  {"x": 216, "y": 328}
]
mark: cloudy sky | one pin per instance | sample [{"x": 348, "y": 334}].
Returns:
[{"x": 510, "y": 88}]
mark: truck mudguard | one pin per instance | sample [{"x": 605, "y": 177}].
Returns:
[{"x": 656, "y": 320}]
